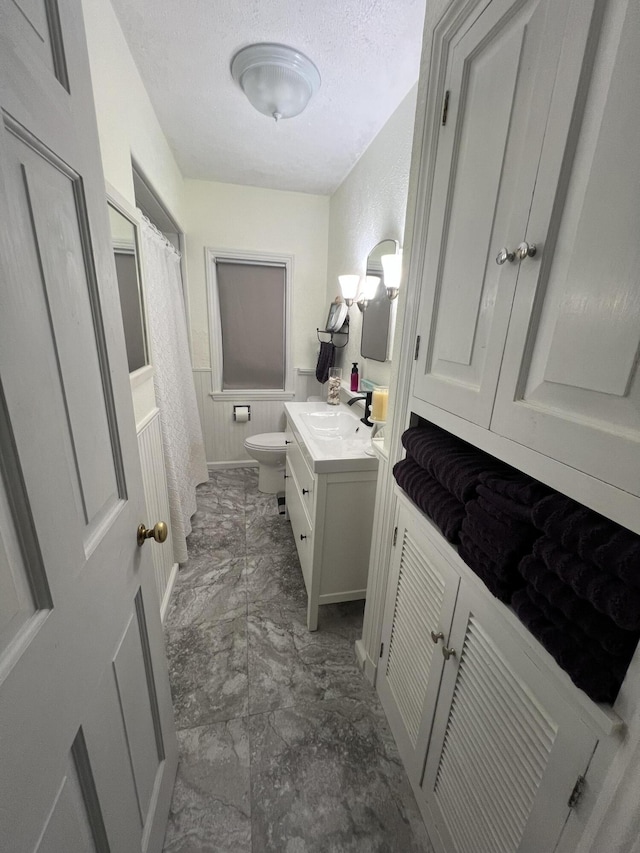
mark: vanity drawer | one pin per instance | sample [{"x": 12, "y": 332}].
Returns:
[
  {"x": 302, "y": 530},
  {"x": 304, "y": 479}
]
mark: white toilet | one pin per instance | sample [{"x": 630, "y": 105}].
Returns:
[{"x": 269, "y": 449}]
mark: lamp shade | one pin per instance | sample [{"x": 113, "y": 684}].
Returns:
[
  {"x": 278, "y": 80},
  {"x": 370, "y": 288},
  {"x": 392, "y": 266},
  {"x": 349, "y": 287}
]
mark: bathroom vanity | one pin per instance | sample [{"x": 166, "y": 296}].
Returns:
[{"x": 330, "y": 489}]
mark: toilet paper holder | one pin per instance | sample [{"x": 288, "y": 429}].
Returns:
[{"x": 239, "y": 412}]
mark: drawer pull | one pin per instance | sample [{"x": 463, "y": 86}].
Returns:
[
  {"x": 287, "y": 442},
  {"x": 435, "y": 637},
  {"x": 305, "y": 491},
  {"x": 287, "y": 476},
  {"x": 302, "y": 537}
]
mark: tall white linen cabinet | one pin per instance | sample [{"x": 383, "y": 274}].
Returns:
[{"x": 521, "y": 335}]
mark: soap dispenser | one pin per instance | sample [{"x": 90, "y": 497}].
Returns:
[{"x": 354, "y": 376}]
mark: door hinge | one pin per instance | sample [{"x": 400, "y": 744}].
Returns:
[
  {"x": 578, "y": 791},
  {"x": 445, "y": 107},
  {"x": 415, "y": 355},
  {"x": 381, "y": 649},
  {"x": 395, "y": 535}
]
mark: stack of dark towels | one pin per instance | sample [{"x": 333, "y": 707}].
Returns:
[
  {"x": 582, "y": 594},
  {"x": 479, "y": 504},
  {"x": 571, "y": 575},
  {"x": 440, "y": 474},
  {"x": 498, "y": 530}
]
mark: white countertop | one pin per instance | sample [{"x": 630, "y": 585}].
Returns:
[{"x": 325, "y": 455}]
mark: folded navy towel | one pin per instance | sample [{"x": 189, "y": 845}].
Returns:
[
  {"x": 518, "y": 511},
  {"x": 326, "y": 359},
  {"x": 561, "y": 599},
  {"x": 608, "y": 594},
  {"x": 429, "y": 496},
  {"x": 499, "y": 582},
  {"x": 504, "y": 542},
  {"x": 452, "y": 462},
  {"x": 515, "y": 485},
  {"x": 600, "y": 676},
  {"x": 593, "y": 537}
]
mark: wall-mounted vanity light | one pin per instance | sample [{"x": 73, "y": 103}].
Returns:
[
  {"x": 368, "y": 291},
  {"x": 349, "y": 287},
  {"x": 392, "y": 266}
]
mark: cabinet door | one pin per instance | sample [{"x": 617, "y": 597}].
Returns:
[
  {"x": 500, "y": 74},
  {"x": 421, "y": 595},
  {"x": 570, "y": 386},
  {"x": 506, "y": 748}
]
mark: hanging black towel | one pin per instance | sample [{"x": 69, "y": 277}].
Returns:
[
  {"x": 429, "y": 496},
  {"x": 326, "y": 359}
]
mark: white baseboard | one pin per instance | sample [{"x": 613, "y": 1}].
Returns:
[
  {"x": 167, "y": 593},
  {"x": 240, "y": 463},
  {"x": 368, "y": 667}
]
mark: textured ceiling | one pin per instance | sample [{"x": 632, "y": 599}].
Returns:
[{"x": 367, "y": 51}]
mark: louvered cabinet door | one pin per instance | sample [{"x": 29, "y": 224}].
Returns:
[
  {"x": 506, "y": 748},
  {"x": 421, "y": 595}
]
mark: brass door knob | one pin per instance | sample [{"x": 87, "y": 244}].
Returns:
[{"x": 158, "y": 532}]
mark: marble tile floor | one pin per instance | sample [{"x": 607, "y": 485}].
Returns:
[{"x": 284, "y": 747}]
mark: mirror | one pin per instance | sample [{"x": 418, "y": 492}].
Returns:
[
  {"x": 123, "y": 238},
  {"x": 376, "y": 319}
]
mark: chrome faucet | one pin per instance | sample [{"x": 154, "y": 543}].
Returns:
[{"x": 367, "y": 406}]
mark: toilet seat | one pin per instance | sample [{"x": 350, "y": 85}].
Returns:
[{"x": 268, "y": 441}]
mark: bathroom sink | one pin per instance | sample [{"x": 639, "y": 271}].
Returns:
[{"x": 334, "y": 425}]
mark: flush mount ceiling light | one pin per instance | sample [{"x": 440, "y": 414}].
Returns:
[{"x": 278, "y": 80}]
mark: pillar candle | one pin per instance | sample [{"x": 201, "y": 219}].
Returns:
[{"x": 379, "y": 404}]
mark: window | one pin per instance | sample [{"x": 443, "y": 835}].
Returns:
[
  {"x": 123, "y": 236},
  {"x": 249, "y": 308}
]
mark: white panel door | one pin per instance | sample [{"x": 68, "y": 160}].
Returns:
[
  {"x": 87, "y": 745},
  {"x": 421, "y": 595},
  {"x": 570, "y": 385},
  {"x": 506, "y": 749},
  {"x": 500, "y": 77}
]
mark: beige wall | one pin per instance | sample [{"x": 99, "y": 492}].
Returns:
[
  {"x": 127, "y": 124},
  {"x": 232, "y": 217},
  {"x": 369, "y": 206}
]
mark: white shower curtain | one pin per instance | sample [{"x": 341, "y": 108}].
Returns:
[{"x": 175, "y": 392}]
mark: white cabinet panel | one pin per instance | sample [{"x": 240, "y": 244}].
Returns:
[
  {"x": 506, "y": 748},
  {"x": 420, "y": 599},
  {"x": 569, "y": 386},
  {"x": 500, "y": 75}
]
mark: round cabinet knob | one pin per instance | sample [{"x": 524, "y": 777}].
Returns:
[
  {"x": 286, "y": 441},
  {"x": 302, "y": 537},
  {"x": 305, "y": 491},
  {"x": 435, "y": 637},
  {"x": 525, "y": 250},
  {"x": 504, "y": 255},
  {"x": 158, "y": 532}
]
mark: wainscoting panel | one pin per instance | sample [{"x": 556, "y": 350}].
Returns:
[
  {"x": 223, "y": 437},
  {"x": 157, "y": 499}
]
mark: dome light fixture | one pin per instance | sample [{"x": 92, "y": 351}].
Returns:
[{"x": 278, "y": 80}]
